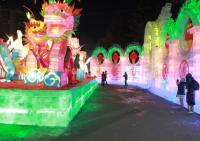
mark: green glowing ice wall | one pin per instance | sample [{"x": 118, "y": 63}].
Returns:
[
  {"x": 114, "y": 48},
  {"x": 43, "y": 107},
  {"x": 168, "y": 28},
  {"x": 100, "y": 50},
  {"x": 191, "y": 9},
  {"x": 155, "y": 34},
  {"x": 133, "y": 47}
]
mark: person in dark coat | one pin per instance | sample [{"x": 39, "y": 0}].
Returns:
[
  {"x": 106, "y": 78},
  {"x": 190, "y": 95},
  {"x": 103, "y": 79},
  {"x": 181, "y": 91},
  {"x": 125, "y": 78}
]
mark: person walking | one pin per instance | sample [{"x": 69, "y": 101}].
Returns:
[
  {"x": 125, "y": 78},
  {"x": 181, "y": 91},
  {"x": 190, "y": 95}
]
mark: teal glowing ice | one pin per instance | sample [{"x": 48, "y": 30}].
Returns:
[
  {"x": 43, "y": 107},
  {"x": 7, "y": 62}
]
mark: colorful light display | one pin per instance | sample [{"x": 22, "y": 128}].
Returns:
[
  {"x": 178, "y": 43},
  {"x": 116, "y": 62},
  {"x": 170, "y": 51},
  {"x": 49, "y": 46},
  {"x": 47, "y": 59}
]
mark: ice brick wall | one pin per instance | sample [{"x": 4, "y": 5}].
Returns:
[{"x": 43, "y": 107}]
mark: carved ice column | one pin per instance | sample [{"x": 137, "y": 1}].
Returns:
[
  {"x": 157, "y": 56},
  {"x": 173, "y": 64},
  {"x": 146, "y": 65}
]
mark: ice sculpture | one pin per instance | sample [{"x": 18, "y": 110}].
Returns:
[
  {"x": 49, "y": 46},
  {"x": 83, "y": 70},
  {"x": 34, "y": 89},
  {"x": 178, "y": 42},
  {"x": 61, "y": 20},
  {"x": 116, "y": 61},
  {"x": 6, "y": 61},
  {"x": 170, "y": 51}
]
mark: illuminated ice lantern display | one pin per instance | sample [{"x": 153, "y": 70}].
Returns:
[
  {"x": 133, "y": 57},
  {"x": 98, "y": 62},
  {"x": 171, "y": 50},
  {"x": 132, "y": 63},
  {"x": 116, "y": 62},
  {"x": 50, "y": 47},
  {"x": 35, "y": 75},
  {"x": 114, "y": 66},
  {"x": 100, "y": 58}
]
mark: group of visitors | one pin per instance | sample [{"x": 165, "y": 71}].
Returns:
[
  {"x": 188, "y": 84},
  {"x": 104, "y": 78},
  {"x": 191, "y": 85}
]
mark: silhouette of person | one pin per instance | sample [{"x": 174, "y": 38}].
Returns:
[
  {"x": 125, "y": 78},
  {"x": 106, "y": 78}
]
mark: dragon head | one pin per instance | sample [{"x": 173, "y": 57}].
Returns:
[
  {"x": 60, "y": 18},
  {"x": 35, "y": 30}
]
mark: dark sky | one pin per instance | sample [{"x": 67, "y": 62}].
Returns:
[
  {"x": 104, "y": 22},
  {"x": 107, "y": 22}
]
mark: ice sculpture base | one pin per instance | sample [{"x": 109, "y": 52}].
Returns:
[{"x": 44, "y": 107}]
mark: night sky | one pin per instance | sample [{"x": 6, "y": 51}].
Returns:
[{"x": 104, "y": 22}]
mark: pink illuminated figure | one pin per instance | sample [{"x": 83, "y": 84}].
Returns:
[
  {"x": 61, "y": 21},
  {"x": 59, "y": 18}
]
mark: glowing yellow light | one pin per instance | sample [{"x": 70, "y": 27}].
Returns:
[
  {"x": 55, "y": 30},
  {"x": 42, "y": 70},
  {"x": 37, "y": 39},
  {"x": 36, "y": 25}
]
